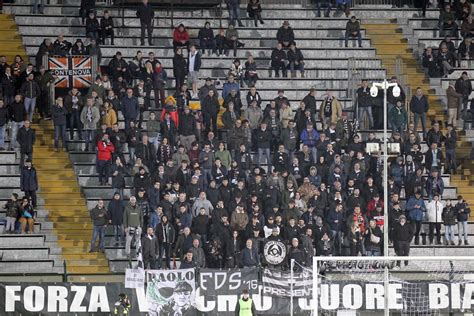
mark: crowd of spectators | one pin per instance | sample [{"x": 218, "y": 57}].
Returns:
[{"x": 213, "y": 191}]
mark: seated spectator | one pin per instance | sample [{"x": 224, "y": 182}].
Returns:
[
  {"x": 78, "y": 48},
  {"x": 232, "y": 39},
  {"x": 92, "y": 26},
  {"x": 237, "y": 70},
  {"x": 27, "y": 216},
  {"x": 465, "y": 50},
  {"x": 221, "y": 43},
  {"x": 106, "y": 28},
  {"x": 278, "y": 61},
  {"x": 118, "y": 67},
  {"x": 206, "y": 39},
  {"x": 467, "y": 27},
  {"x": 447, "y": 22},
  {"x": 430, "y": 62},
  {"x": 86, "y": 7},
  {"x": 251, "y": 75},
  {"x": 445, "y": 61},
  {"x": 180, "y": 37},
  {"x": 285, "y": 35},
  {"x": 295, "y": 60},
  {"x": 462, "y": 9},
  {"x": 353, "y": 31},
  {"x": 61, "y": 46},
  {"x": 254, "y": 10}
]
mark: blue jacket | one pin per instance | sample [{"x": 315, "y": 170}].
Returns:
[
  {"x": 130, "y": 108},
  {"x": 250, "y": 257},
  {"x": 28, "y": 179},
  {"x": 228, "y": 87},
  {"x": 310, "y": 141},
  {"x": 416, "y": 214},
  {"x": 155, "y": 219}
]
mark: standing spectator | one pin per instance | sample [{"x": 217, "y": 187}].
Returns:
[
  {"x": 107, "y": 28},
  {"x": 285, "y": 35},
  {"x": 59, "y": 115},
  {"x": 146, "y": 15},
  {"x": 450, "y": 145},
  {"x": 232, "y": 39},
  {"x": 402, "y": 236},
  {"x": 206, "y": 39},
  {"x": 166, "y": 237},
  {"x": 74, "y": 104},
  {"x": 180, "y": 37},
  {"x": 30, "y": 90},
  {"x": 90, "y": 117},
  {"x": 447, "y": 22},
  {"x": 464, "y": 87},
  {"x": 26, "y": 138},
  {"x": 150, "y": 249},
  {"x": 188, "y": 132},
  {"x": 353, "y": 31},
  {"x": 159, "y": 82},
  {"x": 295, "y": 60},
  {"x": 278, "y": 61},
  {"x": 130, "y": 107},
  {"x": 115, "y": 211},
  {"x": 310, "y": 137},
  {"x": 250, "y": 257},
  {"x": 398, "y": 118},
  {"x": 263, "y": 138},
  {"x": 29, "y": 181},
  {"x": 364, "y": 103},
  {"x": 118, "y": 68},
  {"x": 38, "y": 6},
  {"x": 93, "y": 49},
  {"x": 434, "y": 211},
  {"x": 12, "y": 208},
  {"x": 454, "y": 102},
  {"x": 105, "y": 149},
  {"x": 463, "y": 212},
  {"x": 99, "y": 218},
  {"x": 92, "y": 26},
  {"x": 194, "y": 65},
  {"x": 330, "y": 110},
  {"x": 373, "y": 239},
  {"x": 254, "y": 10},
  {"x": 210, "y": 109},
  {"x": 8, "y": 86},
  {"x": 18, "y": 114},
  {"x": 132, "y": 222},
  {"x": 434, "y": 184},
  {"x": 416, "y": 209},
  {"x": 44, "y": 79},
  {"x": 4, "y": 119},
  {"x": 179, "y": 68},
  {"x": 233, "y": 6},
  {"x": 419, "y": 106},
  {"x": 449, "y": 220}
]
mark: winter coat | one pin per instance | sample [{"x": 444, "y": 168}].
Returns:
[
  {"x": 336, "y": 110},
  {"x": 115, "y": 211},
  {"x": 419, "y": 105},
  {"x": 403, "y": 232},
  {"x": 254, "y": 116},
  {"x": 150, "y": 247},
  {"x": 90, "y": 124},
  {"x": 434, "y": 212},
  {"x": 453, "y": 98},
  {"x": 30, "y": 89},
  {"x": 26, "y": 138},
  {"x": 13, "y": 208},
  {"x": 309, "y": 138},
  {"x": 145, "y": 13},
  {"x": 99, "y": 216},
  {"x": 59, "y": 114},
  {"x": 463, "y": 211},
  {"x": 398, "y": 117},
  {"x": 416, "y": 214},
  {"x": 133, "y": 216},
  {"x": 285, "y": 35},
  {"x": 28, "y": 179},
  {"x": 449, "y": 215},
  {"x": 263, "y": 138},
  {"x": 130, "y": 107}
]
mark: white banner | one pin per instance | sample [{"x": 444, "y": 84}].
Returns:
[
  {"x": 134, "y": 278},
  {"x": 171, "y": 292}
]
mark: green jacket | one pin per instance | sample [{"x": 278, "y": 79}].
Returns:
[
  {"x": 224, "y": 157},
  {"x": 43, "y": 80},
  {"x": 132, "y": 216},
  {"x": 398, "y": 116}
]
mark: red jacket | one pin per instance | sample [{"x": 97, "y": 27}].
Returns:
[
  {"x": 105, "y": 151},
  {"x": 180, "y": 36}
]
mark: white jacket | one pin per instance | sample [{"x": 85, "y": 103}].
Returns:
[{"x": 434, "y": 211}]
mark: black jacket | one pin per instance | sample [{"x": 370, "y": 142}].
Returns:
[
  {"x": 278, "y": 55},
  {"x": 8, "y": 86},
  {"x": 28, "y": 179},
  {"x": 419, "y": 106},
  {"x": 115, "y": 211},
  {"x": 17, "y": 111},
  {"x": 263, "y": 138},
  {"x": 30, "y": 89},
  {"x": 26, "y": 138},
  {"x": 285, "y": 35},
  {"x": 4, "y": 116},
  {"x": 187, "y": 125},
  {"x": 463, "y": 86},
  {"x": 403, "y": 233},
  {"x": 296, "y": 55},
  {"x": 99, "y": 216},
  {"x": 59, "y": 115},
  {"x": 210, "y": 106},
  {"x": 363, "y": 97},
  {"x": 145, "y": 13},
  {"x": 179, "y": 65}
]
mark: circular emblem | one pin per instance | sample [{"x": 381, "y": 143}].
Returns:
[{"x": 274, "y": 252}]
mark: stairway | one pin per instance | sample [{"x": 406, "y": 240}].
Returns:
[
  {"x": 390, "y": 44},
  {"x": 67, "y": 208},
  {"x": 10, "y": 39}
]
